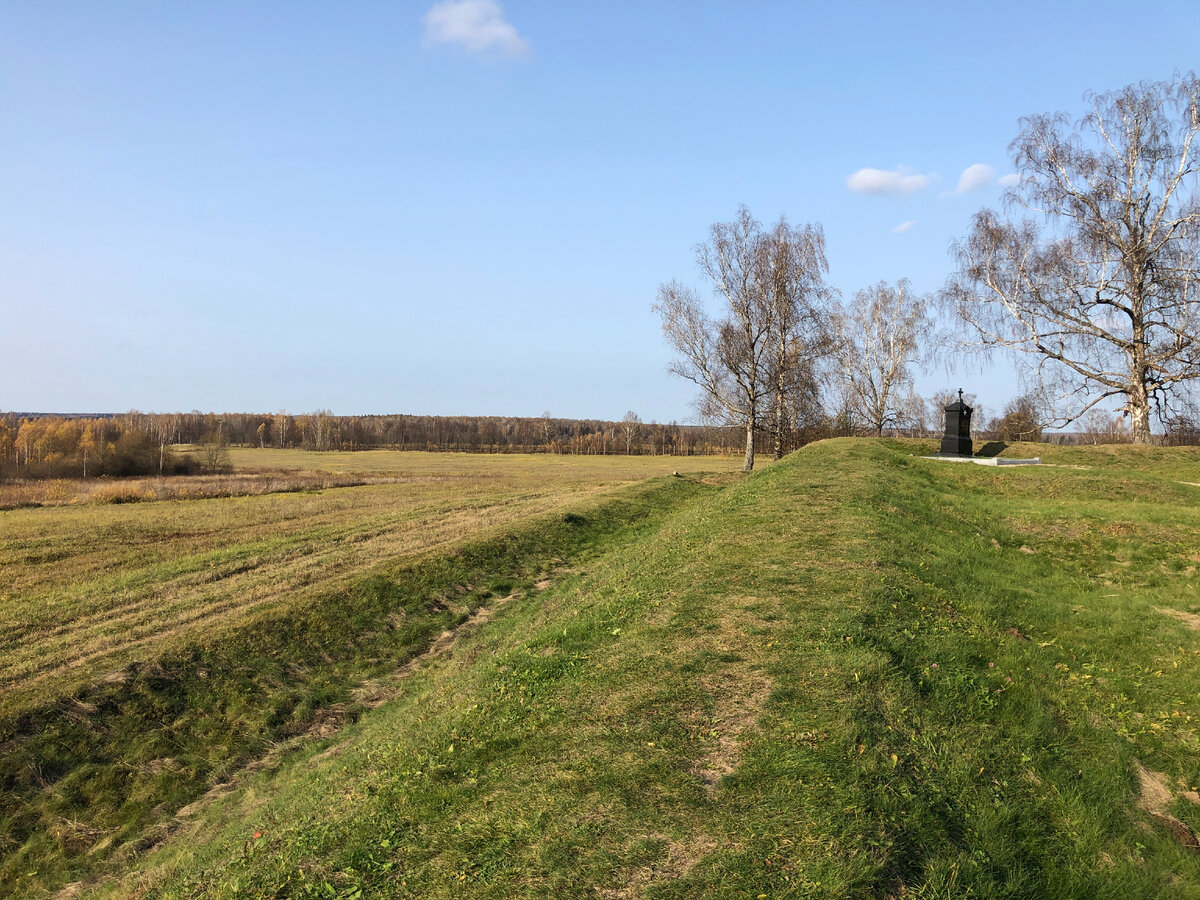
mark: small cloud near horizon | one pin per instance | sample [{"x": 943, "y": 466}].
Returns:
[
  {"x": 974, "y": 177},
  {"x": 904, "y": 226},
  {"x": 1010, "y": 180},
  {"x": 897, "y": 182},
  {"x": 478, "y": 26}
]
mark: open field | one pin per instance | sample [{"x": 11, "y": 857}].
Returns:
[
  {"x": 857, "y": 673},
  {"x": 569, "y": 468},
  {"x": 88, "y": 589}
]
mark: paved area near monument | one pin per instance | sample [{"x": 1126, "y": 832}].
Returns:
[{"x": 988, "y": 461}]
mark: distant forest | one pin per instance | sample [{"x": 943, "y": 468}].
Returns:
[
  {"x": 133, "y": 443},
  {"x": 34, "y": 445}
]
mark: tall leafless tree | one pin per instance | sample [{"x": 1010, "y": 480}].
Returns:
[
  {"x": 631, "y": 428},
  {"x": 282, "y": 425},
  {"x": 793, "y": 266},
  {"x": 548, "y": 429},
  {"x": 770, "y": 287},
  {"x": 163, "y": 427},
  {"x": 880, "y": 335},
  {"x": 1104, "y": 296}
]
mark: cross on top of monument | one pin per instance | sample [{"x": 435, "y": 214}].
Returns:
[{"x": 960, "y": 395}]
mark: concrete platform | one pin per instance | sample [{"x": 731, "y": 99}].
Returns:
[{"x": 986, "y": 461}]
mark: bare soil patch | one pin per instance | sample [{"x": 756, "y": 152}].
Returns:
[
  {"x": 680, "y": 858},
  {"x": 737, "y": 702},
  {"x": 1191, "y": 620},
  {"x": 736, "y": 694},
  {"x": 1155, "y": 797}
]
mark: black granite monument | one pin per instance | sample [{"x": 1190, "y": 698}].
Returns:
[{"x": 957, "y": 439}]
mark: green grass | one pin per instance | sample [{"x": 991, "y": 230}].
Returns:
[{"x": 857, "y": 673}]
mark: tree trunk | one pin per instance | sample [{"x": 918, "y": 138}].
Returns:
[
  {"x": 780, "y": 391},
  {"x": 1139, "y": 414},
  {"x": 1139, "y": 396},
  {"x": 748, "y": 465},
  {"x": 779, "y": 422}
]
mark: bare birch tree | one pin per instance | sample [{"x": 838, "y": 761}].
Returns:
[
  {"x": 1104, "y": 298},
  {"x": 739, "y": 361},
  {"x": 792, "y": 269},
  {"x": 163, "y": 427},
  {"x": 548, "y": 429},
  {"x": 282, "y": 423},
  {"x": 881, "y": 334},
  {"x": 631, "y": 427}
]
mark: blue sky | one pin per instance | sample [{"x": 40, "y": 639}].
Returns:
[{"x": 467, "y": 209}]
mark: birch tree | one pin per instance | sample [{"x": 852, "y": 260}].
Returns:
[
  {"x": 163, "y": 428},
  {"x": 631, "y": 427},
  {"x": 766, "y": 283},
  {"x": 880, "y": 337},
  {"x": 87, "y": 447},
  {"x": 793, "y": 266},
  {"x": 1101, "y": 295}
]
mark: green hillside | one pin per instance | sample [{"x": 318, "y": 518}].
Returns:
[{"x": 856, "y": 673}]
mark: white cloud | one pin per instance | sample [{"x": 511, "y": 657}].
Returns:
[
  {"x": 974, "y": 177},
  {"x": 478, "y": 26},
  {"x": 1010, "y": 180},
  {"x": 904, "y": 226},
  {"x": 899, "y": 181}
]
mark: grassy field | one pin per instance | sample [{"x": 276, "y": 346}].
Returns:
[
  {"x": 857, "y": 673},
  {"x": 151, "y": 648},
  {"x": 89, "y": 588}
]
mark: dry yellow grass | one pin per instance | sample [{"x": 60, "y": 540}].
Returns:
[{"x": 76, "y": 491}]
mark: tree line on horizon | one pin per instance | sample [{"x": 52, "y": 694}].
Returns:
[{"x": 135, "y": 443}]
